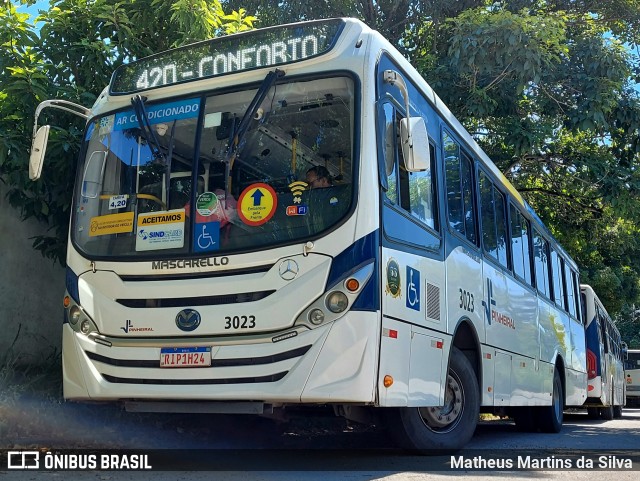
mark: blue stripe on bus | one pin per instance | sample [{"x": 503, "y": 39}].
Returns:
[
  {"x": 365, "y": 249},
  {"x": 71, "y": 283}
]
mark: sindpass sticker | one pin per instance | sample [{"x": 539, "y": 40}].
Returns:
[{"x": 160, "y": 230}]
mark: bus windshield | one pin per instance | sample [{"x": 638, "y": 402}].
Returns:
[{"x": 184, "y": 182}]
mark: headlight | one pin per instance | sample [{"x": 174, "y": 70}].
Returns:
[
  {"x": 74, "y": 315},
  {"x": 337, "y": 301},
  {"x": 316, "y": 316},
  {"x": 85, "y": 327}
]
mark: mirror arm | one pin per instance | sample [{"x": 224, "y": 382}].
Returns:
[
  {"x": 392, "y": 77},
  {"x": 65, "y": 105}
]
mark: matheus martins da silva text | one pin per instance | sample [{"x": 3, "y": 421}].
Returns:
[{"x": 548, "y": 462}]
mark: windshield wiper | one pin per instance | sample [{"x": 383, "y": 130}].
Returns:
[
  {"x": 145, "y": 127},
  {"x": 239, "y": 132}
]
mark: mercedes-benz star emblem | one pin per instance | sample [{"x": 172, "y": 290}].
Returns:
[
  {"x": 188, "y": 320},
  {"x": 288, "y": 269}
]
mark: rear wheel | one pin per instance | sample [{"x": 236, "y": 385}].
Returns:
[
  {"x": 606, "y": 413},
  {"x": 617, "y": 412},
  {"x": 550, "y": 417},
  {"x": 449, "y": 426}
]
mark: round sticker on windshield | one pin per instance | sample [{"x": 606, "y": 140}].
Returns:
[
  {"x": 257, "y": 204},
  {"x": 206, "y": 204}
]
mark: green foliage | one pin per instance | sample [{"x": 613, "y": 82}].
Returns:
[
  {"x": 546, "y": 88},
  {"x": 71, "y": 57}
]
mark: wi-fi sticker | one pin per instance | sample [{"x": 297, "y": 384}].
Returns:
[{"x": 298, "y": 187}]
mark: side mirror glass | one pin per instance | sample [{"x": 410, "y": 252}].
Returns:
[
  {"x": 415, "y": 144},
  {"x": 38, "y": 149}
]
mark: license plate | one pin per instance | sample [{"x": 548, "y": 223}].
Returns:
[{"x": 185, "y": 357}]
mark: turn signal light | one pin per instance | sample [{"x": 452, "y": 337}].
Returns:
[
  {"x": 387, "y": 381},
  {"x": 66, "y": 302},
  {"x": 352, "y": 285}
]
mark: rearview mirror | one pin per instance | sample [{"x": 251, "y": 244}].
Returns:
[
  {"x": 38, "y": 149},
  {"x": 415, "y": 144}
]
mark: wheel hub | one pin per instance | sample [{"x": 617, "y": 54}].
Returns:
[{"x": 446, "y": 417}]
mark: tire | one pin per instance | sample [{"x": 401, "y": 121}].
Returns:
[
  {"x": 593, "y": 413},
  {"x": 617, "y": 412},
  {"x": 606, "y": 412},
  {"x": 550, "y": 417},
  {"x": 447, "y": 427}
]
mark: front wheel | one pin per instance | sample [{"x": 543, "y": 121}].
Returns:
[
  {"x": 449, "y": 426},
  {"x": 550, "y": 417}
]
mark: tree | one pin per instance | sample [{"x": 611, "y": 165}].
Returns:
[
  {"x": 72, "y": 56},
  {"x": 546, "y": 92}
]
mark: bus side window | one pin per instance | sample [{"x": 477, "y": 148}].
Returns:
[
  {"x": 556, "y": 276},
  {"x": 541, "y": 256},
  {"x": 521, "y": 254},
  {"x": 579, "y": 306},
  {"x": 571, "y": 291},
  {"x": 414, "y": 192},
  {"x": 390, "y": 152},
  {"x": 603, "y": 330},
  {"x": 421, "y": 193},
  {"x": 492, "y": 213},
  {"x": 459, "y": 174}
]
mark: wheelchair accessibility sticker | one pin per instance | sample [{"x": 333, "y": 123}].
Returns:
[
  {"x": 207, "y": 237},
  {"x": 413, "y": 289}
]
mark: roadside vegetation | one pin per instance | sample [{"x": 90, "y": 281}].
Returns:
[{"x": 548, "y": 89}]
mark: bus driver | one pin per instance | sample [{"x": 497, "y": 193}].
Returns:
[{"x": 318, "y": 177}]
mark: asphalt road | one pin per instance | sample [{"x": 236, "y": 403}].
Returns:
[{"x": 316, "y": 446}]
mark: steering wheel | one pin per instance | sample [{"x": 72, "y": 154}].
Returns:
[{"x": 152, "y": 198}]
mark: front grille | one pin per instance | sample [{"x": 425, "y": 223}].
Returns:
[
  {"x": 191, "y": 382},
  {"x": 195, "y": 301},
  {"x": 248, "y": 361}
]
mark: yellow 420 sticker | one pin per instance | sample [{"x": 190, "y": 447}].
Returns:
[{"x": 257, "y": 204}]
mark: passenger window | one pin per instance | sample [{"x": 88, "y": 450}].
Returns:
[
  {"x": 541, "y": 261},
  {"x": 571, "y": 291},
  {"x": 576, "y": 284},
  {"x": 459, "y": 175},
  {"x": 494, "y": 232},
  {"x": 520, "y": 231},
  {"x": 556, "y": 273}
]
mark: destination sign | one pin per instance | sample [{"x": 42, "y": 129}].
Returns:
[{"x": 234, "y": 53}]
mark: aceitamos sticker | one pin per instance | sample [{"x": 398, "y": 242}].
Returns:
[{"x": 160, "y": 230}]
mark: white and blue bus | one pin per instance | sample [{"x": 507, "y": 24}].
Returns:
[
  {"x": 632, "y": 377},
  {"x": 606, "y": 352},
  {"x": 205, "y": 274}
]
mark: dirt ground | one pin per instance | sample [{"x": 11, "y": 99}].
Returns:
[{"x": 34, "y": 415}]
